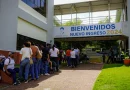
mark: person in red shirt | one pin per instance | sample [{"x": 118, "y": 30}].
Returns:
[{"x": 68, "y": 57}]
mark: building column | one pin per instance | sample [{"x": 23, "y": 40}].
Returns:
[
  {"x": 8, "y": 24},
  {"x": 128, "y": 23},
  {"x": 50, "y": 21}
]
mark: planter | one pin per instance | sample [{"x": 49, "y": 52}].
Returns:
[{"x": 127, "y": 62}]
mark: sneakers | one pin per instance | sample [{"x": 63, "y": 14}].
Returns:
[
  {"x": 47, "y": 74},
  {"x": 26, "y": 81},
  {"x": 16, "y": 83}
]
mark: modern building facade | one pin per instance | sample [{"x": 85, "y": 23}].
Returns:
[{"x": 22, "y": 20}]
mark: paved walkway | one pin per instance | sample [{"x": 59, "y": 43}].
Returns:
[{"x": 80, "y": 78}]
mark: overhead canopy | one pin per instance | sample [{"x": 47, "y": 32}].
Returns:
[{"x": 91, "y": 6}]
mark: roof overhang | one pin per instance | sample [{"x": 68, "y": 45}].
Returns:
[
  {"x": 119, "y": 37},
  {"x": 91, "y": 6}
]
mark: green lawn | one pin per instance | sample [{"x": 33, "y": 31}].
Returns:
[{"x": 113, "y": 77}]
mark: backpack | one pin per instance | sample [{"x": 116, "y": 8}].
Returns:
[{"x": 2, "y": 63}]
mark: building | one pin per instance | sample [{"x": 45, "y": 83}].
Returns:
[{"x": 22, "y": 20}]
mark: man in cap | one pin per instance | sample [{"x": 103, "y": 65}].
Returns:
[{"x": 9, "y": 67}]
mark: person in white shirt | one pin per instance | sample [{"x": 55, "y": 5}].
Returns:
[
  {"x": 73, "y": 58},
  {"x": 26, "y": 53},
  {"x": 77, "y": 52},
  {"x": 54, "y": 56},
  {"x": 10, "y": 69}
]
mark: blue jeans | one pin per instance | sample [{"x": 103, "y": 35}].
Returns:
[
  {"x": 77, "y": 59},
  {"x": 46, "y": 67},
  {"x": 34, "y": 68},
  {"x": 13, "y": 73},
  {"x": 42, "y": 67},
  {"x": 24, "y": 68},
  {"x": 39, "y": 66},
  {"x": 68, "y": 60}
]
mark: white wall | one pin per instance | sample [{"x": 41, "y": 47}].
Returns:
[
  {"x": 8, "y": 24},
  {"x": 29, "y": 14},
  {"x": 27, "y": 29}
]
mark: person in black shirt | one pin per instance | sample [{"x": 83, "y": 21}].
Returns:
[{"x": 45, "y": 58}]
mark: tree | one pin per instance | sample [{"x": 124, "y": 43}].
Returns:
[
  {"x": 118, "y": 15},
  {"x": 105, "y": 20},
  {"x": 73, "y": 22},
  {"x": 56, "y": 23}
]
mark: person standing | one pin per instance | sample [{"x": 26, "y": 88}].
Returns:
[
  {"x": 110, "y": 56},
  {"x": 46, "y": 59},
  {"x": 40, "y": 63},
  {"x": 103, "y": 57},
  {"x": 54, "y": 56},
  {"x": 34, "y": 66},
  {"x": 77, "y": 52},
  {"x": 26, "y": 53},
  {"x": 68, "y": 57},
  {"x": 73, "y": 58},
  {"x": 60, "y": 56}
]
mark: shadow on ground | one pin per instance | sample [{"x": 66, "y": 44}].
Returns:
[
  {"x": 32, "y": 84},
  {"x": 88, "y": 66}
]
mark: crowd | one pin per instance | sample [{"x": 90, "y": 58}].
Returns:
[{"x": 38, "y": 60}]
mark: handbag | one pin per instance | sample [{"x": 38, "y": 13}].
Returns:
[
  {"x": 39, "y": 54},
  {"x": 31, "y": 61}
]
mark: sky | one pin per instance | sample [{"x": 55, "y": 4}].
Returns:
[{"x": 57, "y": 2}]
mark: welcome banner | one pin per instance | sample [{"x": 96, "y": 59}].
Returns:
[{"x": 88, "y": 30}]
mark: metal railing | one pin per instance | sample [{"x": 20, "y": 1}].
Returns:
[{"x": 89, "y": 20}]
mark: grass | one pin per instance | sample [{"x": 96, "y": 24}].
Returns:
[{"x": 113, "y": 77}]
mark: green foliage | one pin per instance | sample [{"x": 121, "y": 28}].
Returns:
[
  {"x": 106, "y": 20},
  {"x": 64, "y": 45},
  {"x": 118, "y": 15},
  {"x": 107, "y": 44},
  {"x": 113, "y": 77},
  {"x": 73, "y": 22},
  {"x": 56, "y": 23}
]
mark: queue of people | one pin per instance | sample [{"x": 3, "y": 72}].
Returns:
[
  {"x": 35, "y": 61},
  {"x": 38, "y": 60}
]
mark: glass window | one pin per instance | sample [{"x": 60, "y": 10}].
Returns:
[
  {"x": 21, "y": 39},
  {"x": 38, "y": 5}
]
